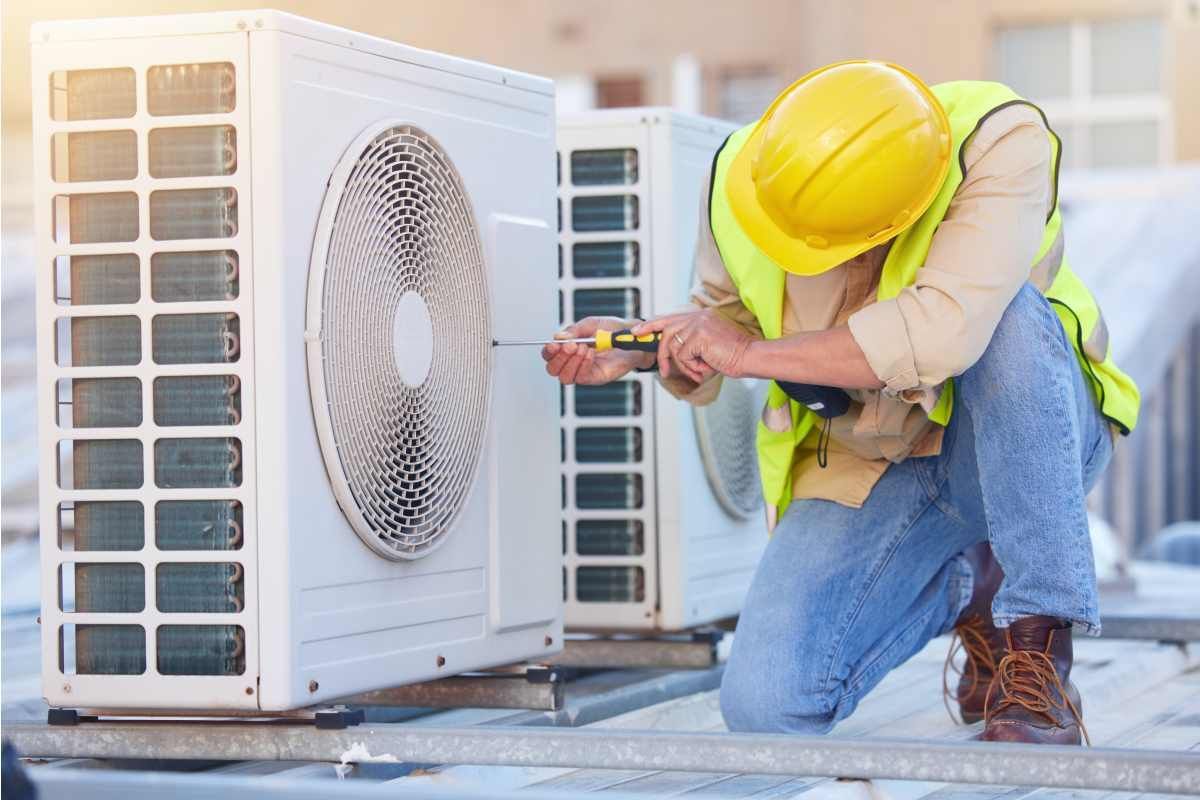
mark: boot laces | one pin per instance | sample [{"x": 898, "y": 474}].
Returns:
[
  {"x": 1025, "y": 678},
  {"x": 970, "y": 637}
]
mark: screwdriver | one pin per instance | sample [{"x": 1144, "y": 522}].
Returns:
[{"x": 603, "y": 340}]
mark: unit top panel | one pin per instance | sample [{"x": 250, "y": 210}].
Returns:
[
  {"x": 643, "y": 115},
  {"x": 109, "y": 28}
]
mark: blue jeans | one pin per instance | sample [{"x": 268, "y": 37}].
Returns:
[{"x": 842, "y": 595}]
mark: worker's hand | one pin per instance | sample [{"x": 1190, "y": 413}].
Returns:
[
  {"x": 699, "y": 343},
  {"x": 580, "y": 363}
]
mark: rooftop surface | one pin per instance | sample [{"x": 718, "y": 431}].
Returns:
[{"x": 1137, "y": 694}]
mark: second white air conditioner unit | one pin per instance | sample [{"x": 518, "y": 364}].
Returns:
[
  {"x": 662, "y": 522},
  {"x": 281, "y": 461}
]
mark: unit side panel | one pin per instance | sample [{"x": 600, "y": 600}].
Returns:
[
  {"x": 145, "y": 354},
  {"x": 280, "y": 284},
  {"x": 609, "y": 484},
  {"x": 524, "y": 525},
  {"x": 706, "y": 555},
  {"x": 360, "y": 621}
]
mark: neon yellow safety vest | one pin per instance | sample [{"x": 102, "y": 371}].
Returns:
[{"x": 761, "y": 284}]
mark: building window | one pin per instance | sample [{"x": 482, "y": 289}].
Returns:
[
  {"x": 744, "y": 93},
  {"x": 620, "y": 91},
  {"x": 1100, "y": 82}
]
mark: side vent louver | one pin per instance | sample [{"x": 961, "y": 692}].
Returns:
[
  {"x": 608, "y": 459},
  {"x": 131, "y": 422}
]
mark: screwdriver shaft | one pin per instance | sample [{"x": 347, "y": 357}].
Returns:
[
  {"x": 602, "y": 341},
  {"x": 539, "y": 342}
]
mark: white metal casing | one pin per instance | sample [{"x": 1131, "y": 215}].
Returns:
[
  {"x": 698, "y": 558},
  {"x": 324, "y": 617}
]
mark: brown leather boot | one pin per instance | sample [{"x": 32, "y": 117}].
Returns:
[
  {"x": 977, "y": 637},
  {"x": 1032, "y": 698}
]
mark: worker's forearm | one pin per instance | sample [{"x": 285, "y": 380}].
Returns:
[{"x": 824, "y": 358}]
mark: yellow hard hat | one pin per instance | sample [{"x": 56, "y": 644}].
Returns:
[{"x": 845, "y": 158}]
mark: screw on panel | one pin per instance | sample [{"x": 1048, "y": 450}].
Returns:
[
  {"x": 441, "y": 661},
  {"x": 249, "y": 690},
  {"x": 66, "y": 688},
  {"x": 241, "y": 25},
  {"x": 313, "y": 686}
]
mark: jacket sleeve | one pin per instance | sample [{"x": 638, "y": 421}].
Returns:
[
  {"x": 713, "y": 288},
  {"x": 978, "y": 260}
]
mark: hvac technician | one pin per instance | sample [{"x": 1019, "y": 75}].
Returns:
[{"x": 902, "y": 243}]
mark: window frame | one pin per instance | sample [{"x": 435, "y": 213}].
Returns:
[{"x": 1075, "y": 114}]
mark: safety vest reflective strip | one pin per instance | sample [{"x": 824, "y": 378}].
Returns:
[{"x": 761, "y": 284}]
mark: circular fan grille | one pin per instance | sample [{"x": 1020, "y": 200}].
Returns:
[
  {"x": 726, "y": 431},
  {"x": 401, "y": 371}
]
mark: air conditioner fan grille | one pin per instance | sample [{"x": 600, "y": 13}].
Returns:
[{"x": 405, "y": 343}]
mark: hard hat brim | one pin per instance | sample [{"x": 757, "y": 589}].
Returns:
[{"x": 792, "y": 255}]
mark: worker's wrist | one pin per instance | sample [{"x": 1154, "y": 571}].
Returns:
[{"x": 753, "y": 360}]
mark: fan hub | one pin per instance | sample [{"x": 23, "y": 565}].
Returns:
[{"x": 412, "y": 339}]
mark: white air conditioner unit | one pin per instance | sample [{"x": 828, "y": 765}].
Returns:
[
  {"x": 663, "y": 522},
  {"x": 281, "y": 462}
]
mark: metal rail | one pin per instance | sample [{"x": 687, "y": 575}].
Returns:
[
  {"x": 544, "y": 692},
  {"x": 992, "y": 763},
  {"x": 698, "y": 652},
  {"x": 1150, "y": 627}
]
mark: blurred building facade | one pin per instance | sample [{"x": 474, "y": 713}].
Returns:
[{"x": 1119, "y": 79}]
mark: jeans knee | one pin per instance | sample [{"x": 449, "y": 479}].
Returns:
[
  {"x": 1028, "y": 341},
  {"x": 754, "y": 703}
]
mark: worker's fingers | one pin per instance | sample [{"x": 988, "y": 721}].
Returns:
[
  {"x": 660, "y": 323},
  {"x": 589, "y": 325},
  {"x": 550, "y": 351},
  {"x": 693, "y": 367},
  {"x": 671, "y": 337},
  {"x": 689, "y": 353},
  {"x": 562, "y": 355},
  {"x": 568, "y": 369},
  {"x": 555, "y": 363},
  {"x": 701, "y": 370},
  {"x": 674, "y": 336},
  {"x": 576, "y": 364},
  {"x": 664, "y": 352}
]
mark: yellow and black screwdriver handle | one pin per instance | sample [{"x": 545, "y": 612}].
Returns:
[{"x": 625, "y": 340}]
